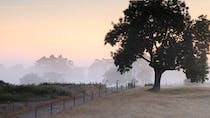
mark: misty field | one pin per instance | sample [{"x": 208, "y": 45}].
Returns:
[{"x": 182, "y": 102}]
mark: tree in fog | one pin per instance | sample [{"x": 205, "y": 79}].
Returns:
[
  {"x": 49, "y": 69},
  {"x": 154, "y": 29},
  {"x": 31, "y": 78},
  {"x": 140, "y": 72},
  {"x": 196, "y": 49},
  {"x": 98, "y": 68},
  {"x": 54, "y": 64}
]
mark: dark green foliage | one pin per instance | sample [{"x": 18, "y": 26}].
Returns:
[
  {"x": 152, "y": 27},
  {"x": 197, "y": 47},
  {"x": 25, "y": 92},
  {"x": 9, "y": 92},
  {"x": 162, "y": 33}
]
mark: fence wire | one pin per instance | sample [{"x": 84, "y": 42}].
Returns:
[{"x": 50, "y": 109}]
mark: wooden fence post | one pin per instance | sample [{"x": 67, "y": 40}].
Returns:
[
  {"x": 111, "y": 90},
  {"x": 13, "y": 107},
  {"x": 35, "y": 112},
  {"x": 105, "y": 90},
  {"x": 8, "y": 106},
  {"x": 84, "y": 97},
  {"x": 64, "y": 104},
  {"x": 92, "y": 95},
  {"x": 5, "y": 112},
  {"x": 117, "y": 82},
  {"x": 99, "y": 92},
  {"x": 51, "y": 109},
  {"x": 74, "y": 101}
]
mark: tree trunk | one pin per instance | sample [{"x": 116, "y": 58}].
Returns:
[{"x": 158, "y": 74}]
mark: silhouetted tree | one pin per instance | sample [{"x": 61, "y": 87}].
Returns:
[
  {"x": 55, "y": 64},
  {"x": 154, "y": 29},
  {"x": 197, "y": 37}
]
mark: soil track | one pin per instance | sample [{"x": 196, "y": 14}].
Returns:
[{"x": 182, "y": 102}]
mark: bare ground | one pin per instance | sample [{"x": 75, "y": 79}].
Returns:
[{"x": 182, "y": 102}]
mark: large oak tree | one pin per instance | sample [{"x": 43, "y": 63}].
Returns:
[{"x": 162, "y": 33}]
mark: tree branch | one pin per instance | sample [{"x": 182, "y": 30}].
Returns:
[
  {"x": 145, "y": 58},
  {"x": 156, "y": 46}
]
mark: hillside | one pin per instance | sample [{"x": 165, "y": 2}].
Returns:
[{"x": 186, "y": 102}]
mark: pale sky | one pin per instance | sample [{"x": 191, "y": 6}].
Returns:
[{"x": 30, "y": 29}]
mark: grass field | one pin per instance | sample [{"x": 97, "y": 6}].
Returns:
[
  {"x": 182, "y": 102},
  {"x": 20, "y": 99}
]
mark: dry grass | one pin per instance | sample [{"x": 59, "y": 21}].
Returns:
[{"x": 187, "y": 102}]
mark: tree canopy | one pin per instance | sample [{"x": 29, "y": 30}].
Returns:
[
  {"x": 197, "y": 37},
  {"x": 162, "y": 33}
]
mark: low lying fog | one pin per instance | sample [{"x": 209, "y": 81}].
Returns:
[{"x": 62, "y": 70}]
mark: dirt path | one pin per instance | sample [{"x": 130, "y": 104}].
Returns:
[{"x": 188, "y": 102}]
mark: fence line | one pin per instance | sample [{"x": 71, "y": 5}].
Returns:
[{"x": 49, "y": 109}]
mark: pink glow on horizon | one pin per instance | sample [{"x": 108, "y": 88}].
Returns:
[{"x": 30, "y": 30}]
